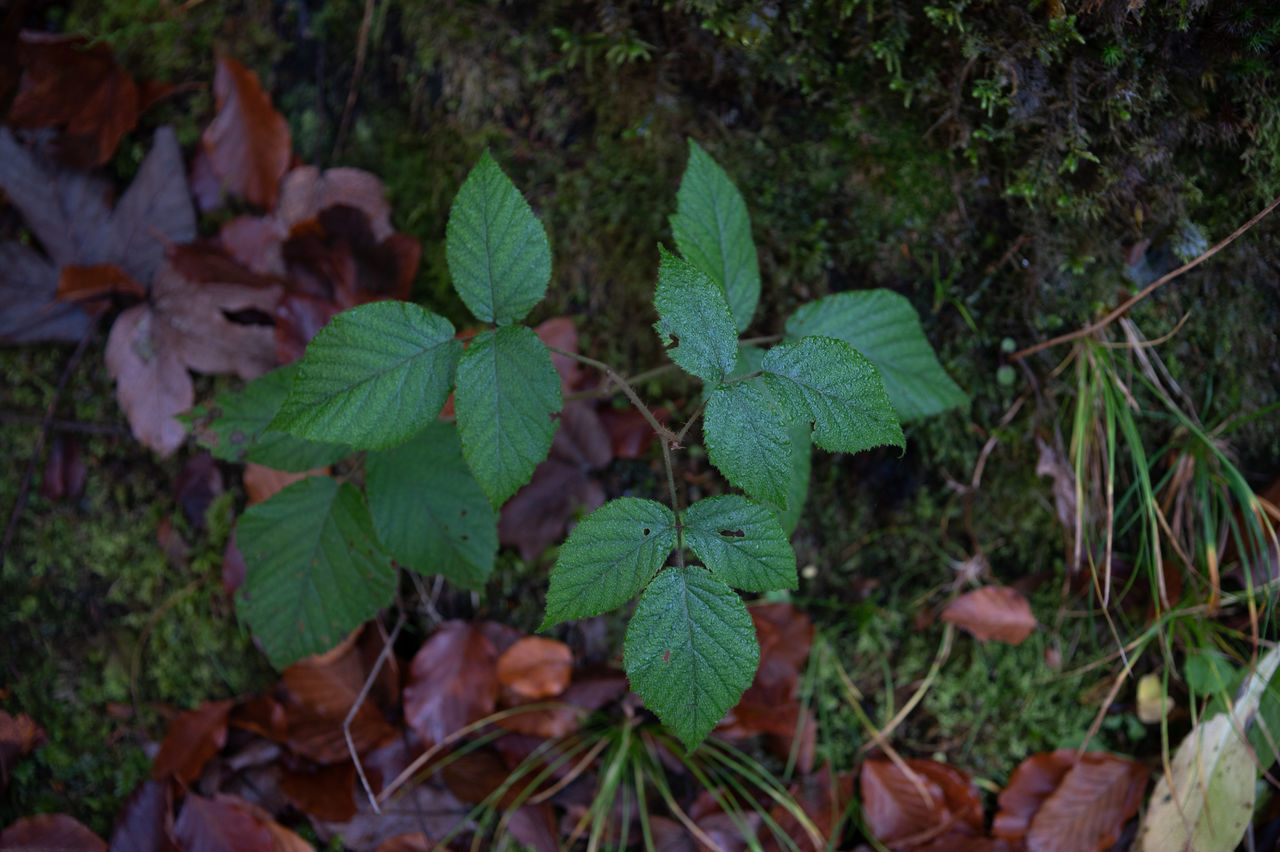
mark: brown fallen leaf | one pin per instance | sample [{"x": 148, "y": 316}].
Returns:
[
  {"x": 247, "y": 144},
  {"x": 453, "y": 681},
  {"x": 18, "y": 736},
  {"x": 928, "y": 801},
  {"x": 992, "y": 612},
  {"x": 222, "y": 824},
  {"x": 150, "y": 387},
  {"x": 69, "y": 214},
  {"x": 1056, "y": 802},
  {"x": 50, "y": 833},
  {"x": 145, "y": 823},
  {"x": 193, "y": 738},
  {"x": 261, "y": 483},
  {"x": 823, "y": 799},
  {"x": 96, "y": 286},
  {"x": 64, "y": 473},
  {"x": 535, "y": 668},
  {"x": 73, "y": 84},
  {"x": 324, "y": 792}
]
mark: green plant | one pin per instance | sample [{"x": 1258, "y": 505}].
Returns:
[{"x": 376, "y": 378}]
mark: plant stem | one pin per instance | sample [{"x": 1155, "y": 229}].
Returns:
[
  {"x": 664, "y": 433},
  {"x": 675, "y": 503}
]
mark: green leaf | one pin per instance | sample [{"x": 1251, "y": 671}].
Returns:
[
  {"x": 823, "y": 380},
  {"x": 429, "y": 510},
  {"x": 746, "y": 437},
  {"x": 373, "y": 377},
  {"x": 496, "y": 248},
  {"x": 507, "y": 392},
  {"x": 713, "y": 232},
  {"x": 234, "y": 427},
  {"x": 885, "y": 328},
  {"x": 690, "y": 651},
  {"x": 693, "y": 314},
  {"x": 742, "y": 543},
  {"x": 797, "y": 483},
  {"x": 609, "y": 557},
  {"x": 315, "y": 570}
]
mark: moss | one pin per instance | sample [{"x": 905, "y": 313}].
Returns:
[{"x": 101, "y": 632}]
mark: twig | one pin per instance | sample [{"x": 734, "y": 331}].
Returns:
[
  {"x": 668, "y": 437},
  {"x": 59, "y": 425},
  {"x": 1148, "y": 290},
  {"x": 25, "y": 488},
  {"x": 362, "y": 49},
  {"x": 364, "y": 693}
]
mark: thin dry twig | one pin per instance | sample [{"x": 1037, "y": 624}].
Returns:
[
  {"x": 362, "y": 50},
  {"x": 387, "y": 644},
  {"x": 1146, "y": 291}
]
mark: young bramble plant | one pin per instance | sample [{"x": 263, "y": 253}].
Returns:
[{"x": 319, "y": 555}]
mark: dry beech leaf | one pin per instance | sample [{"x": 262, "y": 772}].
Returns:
[
  {"x": 247, "y": 144},
  {"x": 192, "y": 739},
  {"x": 992, "y": 612},
  {"x": 535, "y": 668},
  {"x": 151, "y": 387},
  {"x": 262, "y": 483},
  {"x": 224, "y": 823},
  {"x": 50, "y": 833},
  {"x": 145, "y": 823},
  {"x": 71, "y": 83},
  {"x": 1088, "y": 808},
  {"x": 324, "y": 792},
  {"x": 322, "y": 690},
  {"x": 907, "y": 810},
  {"x": 453, "y": 681}
]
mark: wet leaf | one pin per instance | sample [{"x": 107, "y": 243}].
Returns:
[
  {"x": 224, "y": 823},
  {"x": 993, "y": 612},
  {"x": 904, "y": 809},
  {"x": 536, "y": 668},
  {"x": 325, "y": 792},
  {"x": 193, "y": 738},
  {"x": 75, "y": 85},
  {"x": 145, "y": 823},
  {"x": 50, "y": 833},
  {"x": 1090, "y": 806},
  {"x": 452, "y": 681},
  {"x": 248, "y": 142}
]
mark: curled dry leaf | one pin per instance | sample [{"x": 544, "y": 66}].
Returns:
[
  {"x": 905, "y": 810},
  {"x": 993, "y": 612},
  {"x": 535, "y": 667},
  {"x": 247, "y": 144},
  {"x": 453, "y": 681},
  {"x": 54, "y": 832},
  {"x": 193, "y": 738},
  {"x": 1056, "y": 803}
]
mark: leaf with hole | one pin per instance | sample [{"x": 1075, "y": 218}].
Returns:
[
  {"x": 824, "y": 381},
  {"x": 429, "y": 510},
  {"x": 315, "y": 570},
  {"x": 741, "y": 542},
  {"x": 885, "y": 329},
  {"x": 610, "y": 556},
  {"x": 690, "y": 651},
  {"x": 496, "y": 248},
  {"x": 373, "y": 377},
  {"x": 694, "y": 320},
  {"x": 713, "y": 232},
  {"x": 507, "y": 392}
]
